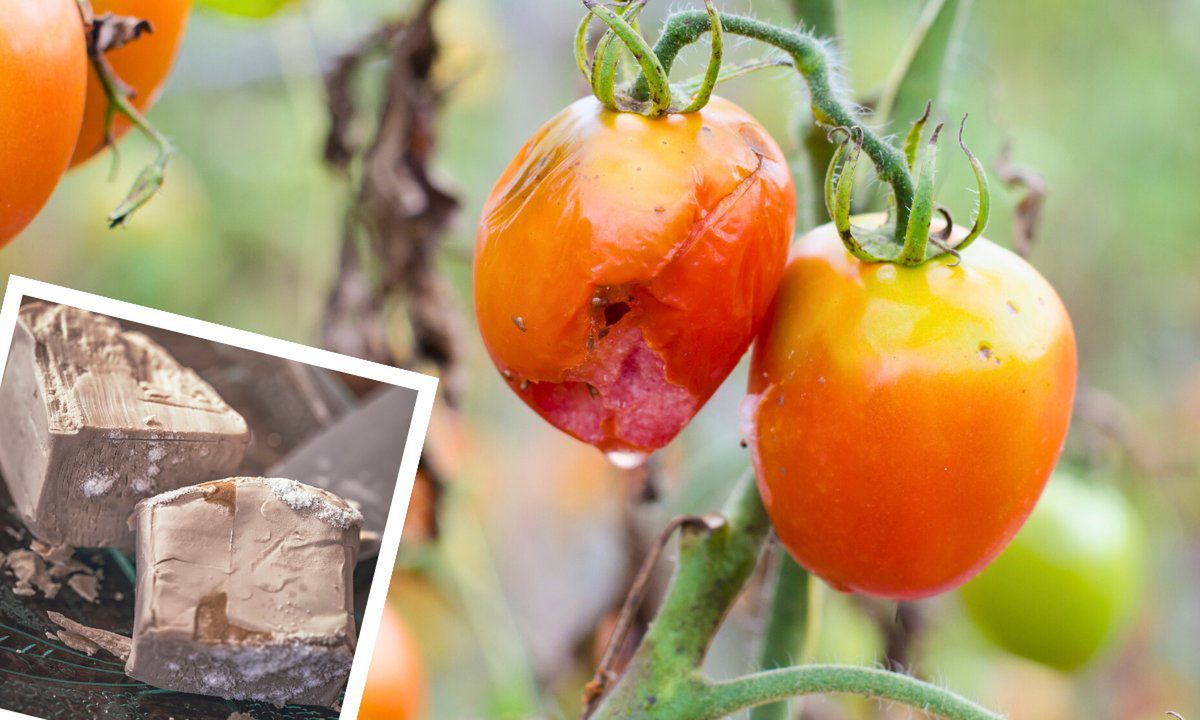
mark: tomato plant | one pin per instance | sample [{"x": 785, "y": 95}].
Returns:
[
  {"x": 624, "y": 263},
  {"x": 904, "y": 420},
  {"x": 43, "y": 63},
  {"x": 141, "y": 65},
  {"x": 1065, "y": 588},
  {"x": 396, "y": 685}
]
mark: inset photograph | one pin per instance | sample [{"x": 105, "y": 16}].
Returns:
[{"x": 195, "y": 522}]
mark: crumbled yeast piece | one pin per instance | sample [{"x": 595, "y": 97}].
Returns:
[{"x": 244, "y": 591}]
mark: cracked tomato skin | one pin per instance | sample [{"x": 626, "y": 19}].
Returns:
[
  {"x": 903, "y": 421},
  {"x": 143, "y": 65},
  {"x": 623, "y": 265},
  {"x": 43, "y": 73}
]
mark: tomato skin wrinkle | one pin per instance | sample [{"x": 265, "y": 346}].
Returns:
[
  {"x": 903, "y": 421},
  {"x": 641, "y": 255},
  {"x": 142, "y": 65},
  {"x": 44, "y": 65}
]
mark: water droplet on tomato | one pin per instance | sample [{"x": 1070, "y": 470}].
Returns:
[{"x": 627, "y": 460}]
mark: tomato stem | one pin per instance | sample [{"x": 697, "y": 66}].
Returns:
[
  {"x": 725, "y": 698},
  {"x": 663, "y": 682},
  {"x": 150, "y": 179},
  {"x": 786, "y": 630}
]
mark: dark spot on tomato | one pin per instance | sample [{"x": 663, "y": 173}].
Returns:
[{"x": 614, "y": 312}]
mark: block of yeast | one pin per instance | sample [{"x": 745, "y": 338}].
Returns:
[
  {"x": 94, "y": 418},
  {"x": 245, "y": 591}
]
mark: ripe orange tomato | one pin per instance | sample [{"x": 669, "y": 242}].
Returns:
[
  {"x": 623, "y": 265},
  {"x": 903, "y": 420},
  {"x": 43, "y": 66},
  {"x": 142, "y": 65},
  {"x": 396, "y": 680}
]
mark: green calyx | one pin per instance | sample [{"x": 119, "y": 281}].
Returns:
[
  {"x": 913, "y": 243},
  {"x": 905, "y": 238},
  {"x": 654, "y": 96}
]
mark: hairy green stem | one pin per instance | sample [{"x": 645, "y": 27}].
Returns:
[
  {"x": 811, "y": 61},
  {"x": 784, "y": 634},
  {"x": 662, "y": 681},
  {"x": 722, "y": 699}
]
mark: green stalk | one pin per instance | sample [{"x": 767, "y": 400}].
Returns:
[
  {"x": 784, "y": 634},
  {"x": 722, "y": 699},
  {"x": 662, "y": 681}
]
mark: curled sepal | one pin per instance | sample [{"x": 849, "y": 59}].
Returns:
[
  {"x": 608, "y": 55},
  {"x": 581, "y": 53},
  {"x": 656, "y": 76},
  {"x": 713, "y": 74},
  {"x": 985, "y": 196},
  {"x": 941, "y": 241},
  {"x": 916, "y": 234},
  {"x": 844, "y": 190},
  {"x": 912, "y": 141},
  {"x": 831, "y": 171}
]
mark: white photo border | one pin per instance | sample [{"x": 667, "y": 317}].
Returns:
[{"x": 424, "y": 385}]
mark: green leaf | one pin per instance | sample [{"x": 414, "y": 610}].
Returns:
[
  {"x": 925, "y": 67},
  {"x": 246, "y": 8}
]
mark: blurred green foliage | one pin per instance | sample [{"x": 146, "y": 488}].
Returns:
[{"x": 1099, "y": 96}]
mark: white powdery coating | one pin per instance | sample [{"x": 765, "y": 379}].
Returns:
[
  {"x": 301, "y": 498},
  {"x": 97, "y": 484},
  {"x": 275, "y": 673},
  {"x": 145, "y": 484}
]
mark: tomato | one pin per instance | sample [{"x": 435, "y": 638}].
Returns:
[
  {"x": 396, "y": 684},
  {"x": 1066, "y": 586},
  {"x": 623, "y": 265},
  {"x": 142, "y": 65},
  {"x": 43, "y": 66},
  {"x": 903, "y": 420}
]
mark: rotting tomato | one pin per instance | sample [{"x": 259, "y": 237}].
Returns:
[
  {"x": 1065, "y": 588},
  {"x": 396, "y": 684},
  {"x": 142, "y": 65},
  {"x": 904, "y": 420},
  {"x": 43, "y": 63},
  {"x": 623, "y": 265}
]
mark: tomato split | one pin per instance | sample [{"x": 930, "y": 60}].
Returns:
[
  {"x": 904, "y": 420},
  {"x": 43, "y": 63},
  {"x": 624, "y": 263}
]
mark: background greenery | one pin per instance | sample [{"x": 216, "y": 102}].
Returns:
[{"x": 538, "y": 533}]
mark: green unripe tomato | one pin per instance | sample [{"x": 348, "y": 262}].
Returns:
[
  {"x": 246, "y": 8},
  {"x": 1065, "y": 588}
]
